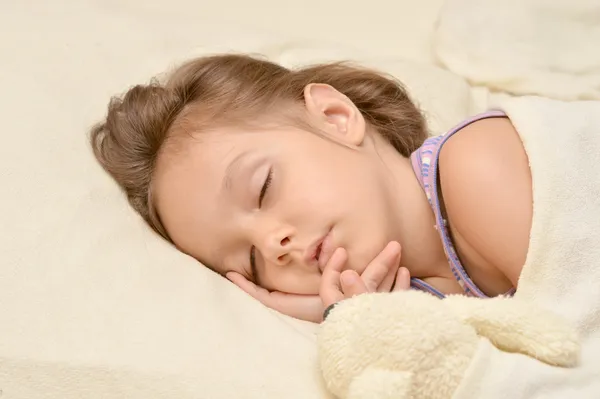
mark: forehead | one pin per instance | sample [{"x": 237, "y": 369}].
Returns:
[
  {"x": 205, "y": 158},
  {"x": 188, "y": 180}
]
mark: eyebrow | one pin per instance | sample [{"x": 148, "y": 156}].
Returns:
[{"x": 232, "y": 169}]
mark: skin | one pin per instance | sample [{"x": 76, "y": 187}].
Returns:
[{"x": 349, "y": 183}]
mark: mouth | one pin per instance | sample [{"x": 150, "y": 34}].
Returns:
[{"x": 317, "y": 254}]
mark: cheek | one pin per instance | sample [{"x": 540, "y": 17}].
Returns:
[
  {"x": 367, "y": 231},
  {"x": 311, "y": 194},
  {"x": 364, "y": 252}
]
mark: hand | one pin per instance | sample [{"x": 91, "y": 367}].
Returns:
[
  {"x": 379, "y": 275},
  {"x": 303, "y": 307},
  {"x": 383, "y": 274}
]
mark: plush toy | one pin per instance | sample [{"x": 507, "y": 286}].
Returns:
[{"x": 413, "y": 345}]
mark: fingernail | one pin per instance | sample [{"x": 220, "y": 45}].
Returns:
[
  {"x": 348, "y": 279},
  {"x": 395, "y": 252}
]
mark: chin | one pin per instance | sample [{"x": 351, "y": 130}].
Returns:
[{"x": 360, "y": 259}]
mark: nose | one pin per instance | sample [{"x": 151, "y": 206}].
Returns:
[{"x": 275, "y": 245}]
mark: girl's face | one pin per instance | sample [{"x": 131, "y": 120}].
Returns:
[{"x": 274, "y": 204}]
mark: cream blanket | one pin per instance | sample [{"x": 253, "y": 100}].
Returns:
[
  {"x": 562, "y": 271},
  {"x": 561, "y": 274},
  {"x": 92, "y": 304},
  {"x": 532, "y": 47},
  {"x": 550, "y": 49}
]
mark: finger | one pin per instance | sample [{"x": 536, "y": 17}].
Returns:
[
  {"x": 402, "y": 280},
  {"x": 303, "y": 307},
  {"x": 379, "y": 267},
  {"x": 330, "y": 290},
  {"x": 257, "y": 292},
  {"x": 388, "y": 282},
  {"x": 247, "y": 286},
  {"x": 352, "y": 284}
]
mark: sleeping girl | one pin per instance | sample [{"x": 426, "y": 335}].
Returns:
[{"x": 304, "y": 187}]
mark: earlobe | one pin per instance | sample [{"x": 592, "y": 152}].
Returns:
[{"x": 334, "y": 113}]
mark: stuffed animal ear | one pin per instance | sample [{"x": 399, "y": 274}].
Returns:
[
  {"x": 517, "y": 326},
  {"x": 377, "y": 383}
]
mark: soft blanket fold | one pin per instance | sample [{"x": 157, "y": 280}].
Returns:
[
  {"x": 524, "y": 47},
  {"x": 550, "y": 49},
  {"x": 562, "y": 271},
  {"x": 359, "y": 354}
]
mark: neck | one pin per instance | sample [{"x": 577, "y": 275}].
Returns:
[{"x": 422, "y": 250}]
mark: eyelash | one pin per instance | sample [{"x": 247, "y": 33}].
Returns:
[
  {"x": 261, "y": 197},
  {"x": 265, "y": 187}
]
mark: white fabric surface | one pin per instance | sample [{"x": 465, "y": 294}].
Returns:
[
  {"x": 525, "y": 47},
  {"x": 562, "y": 270},
  {"x": 548, "y": 49},
  {"x": 94, "y": 305}
]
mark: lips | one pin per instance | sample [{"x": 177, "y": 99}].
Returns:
[
  {"x": 313, "y": 252},
  {"x": 327, "y": 249},
  {"x": 318, "y": 253}
]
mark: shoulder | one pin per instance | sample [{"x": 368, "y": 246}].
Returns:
[{"x": 486, "y": 186}]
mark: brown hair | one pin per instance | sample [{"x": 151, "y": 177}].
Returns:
[{"x": 213, "y": 91}]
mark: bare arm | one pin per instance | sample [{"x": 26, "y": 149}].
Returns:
[{"x": 486, "y": 185}]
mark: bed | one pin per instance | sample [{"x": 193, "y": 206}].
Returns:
[{"x": 92, "y": 303}]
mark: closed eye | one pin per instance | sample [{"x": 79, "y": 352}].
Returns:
[
  {"x": 261, "y": 197},
  {"x": 254, "y": 273},
  {"x": 265, "y": 187}
]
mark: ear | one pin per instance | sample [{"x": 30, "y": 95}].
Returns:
[{"x": 334, "y": 113}]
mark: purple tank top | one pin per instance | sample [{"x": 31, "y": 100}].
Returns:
[{"x": 425, "y": 164}]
